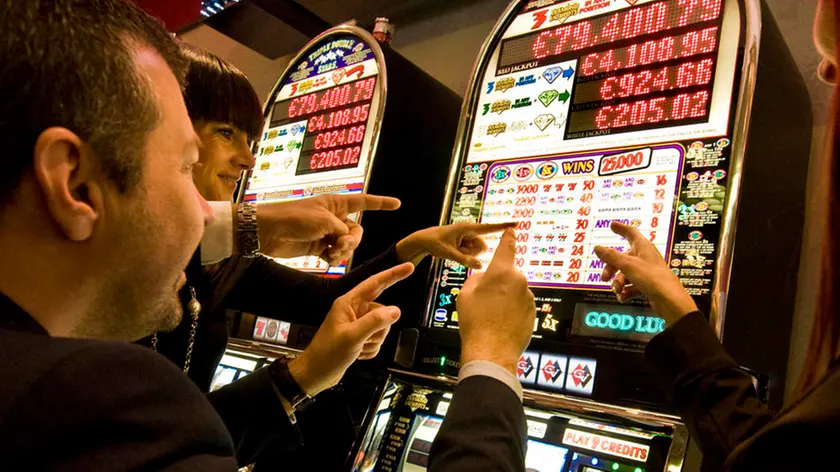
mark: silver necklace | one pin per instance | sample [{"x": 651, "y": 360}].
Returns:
[{"x": 194, "y": 307}]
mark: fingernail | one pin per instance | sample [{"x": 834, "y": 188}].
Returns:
[{"x": 475, "y": 265}]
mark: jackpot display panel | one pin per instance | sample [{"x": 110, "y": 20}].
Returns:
[
  {"x": 665, "y": 115},
  {"x": 350, "y": 115},
  {"x": 615, "y": 112}
]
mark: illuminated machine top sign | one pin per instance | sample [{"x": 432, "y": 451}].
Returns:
[{"x": 319, "y": 131}]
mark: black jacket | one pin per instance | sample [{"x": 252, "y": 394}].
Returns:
[
  {"x": 718, "y": 402},
  {"x": 81, "y": 405},
  {"x": 484, "y": 430},
  {"x": 73, "y": 404}
]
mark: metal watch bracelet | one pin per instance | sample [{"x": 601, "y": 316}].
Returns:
[{"x": 247, "y": 230}]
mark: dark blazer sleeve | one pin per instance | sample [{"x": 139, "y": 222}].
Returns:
[
  {"x": 716, "y": 399},
  {"x": 255, "y": 418},
  {"x": 114, "y": 406},
  {"x": 274, "y": 290},
  {"x": 484, "y": 430}
]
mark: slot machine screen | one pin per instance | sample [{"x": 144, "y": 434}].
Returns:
[
  {"x": 319, "y": 130},
  {"x": 401, "y": 438},
  {"x": 588, "y": 113},
  {"x": 540, "y": 457}
]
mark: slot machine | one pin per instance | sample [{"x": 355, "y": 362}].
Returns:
[
  {"x": 350, "y": 115},
  {"x": 684, "y": 118}
]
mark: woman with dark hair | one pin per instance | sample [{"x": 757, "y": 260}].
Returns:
[
  {"x": 716, "y": 399},
  {"x": 227, "y": 117}
]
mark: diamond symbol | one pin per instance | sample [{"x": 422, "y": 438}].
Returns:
[
  {"x": 525, "y": 366},
  {"x": 544, "y": 121},
  {"x": 548, "y": 97},
  {"x": 337, "y": 76},
  {"x": 551, "y": 74},
  {"x": 552, "y": 371},
  {"x": 581, "y": 375}
]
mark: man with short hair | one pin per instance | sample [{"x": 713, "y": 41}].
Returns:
[{"x": 98, "y": 219}]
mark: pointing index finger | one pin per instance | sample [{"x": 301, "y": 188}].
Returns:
[
  {"x": 360, "y": 202},
  {"x": 503, "y": 259},
  {"x": 372, "y": 288},
  {"x": 486, "y": 228}
]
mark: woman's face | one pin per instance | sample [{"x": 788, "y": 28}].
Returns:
[
  {"x": 224, "y": 156},
  {"x": 825, "y": 40}
]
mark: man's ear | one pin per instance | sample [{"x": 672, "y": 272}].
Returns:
[{"x": 67, "y": 175}]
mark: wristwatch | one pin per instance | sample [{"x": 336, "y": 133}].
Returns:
[
  {"x": 249, "y": 239},
  {"x": 287, "y": 386}
]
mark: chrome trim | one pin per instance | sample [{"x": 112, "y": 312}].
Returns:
[
  {"x": 464, "y": 127},
  {"x": 261, "y": 349},
  {"x": 367, "y": 423},
  {"x": 382, "y": 85},
  {"x": 749, "y": 71},
  {"x": 574, "y": 404},
  {"x": 678, "y": 450},
  {"x": 679, "y": 438}
]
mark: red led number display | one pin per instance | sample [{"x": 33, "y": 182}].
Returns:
[
  {"x": 339, "y": 118},
  {"x": 651, "y": 18},
  {"x": 641, "y": 83},
  {"x": 655, "y": 110},
  {"x": 331, "y": 139},
  {"x": 654, "y": 51},
  {"x": 360, "y": 90},
  {"x": 341, "y": 157},
  {"x": 687, "y": 74}
]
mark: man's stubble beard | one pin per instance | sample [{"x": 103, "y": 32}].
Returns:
[
  {"x": 132, "y": 303},
  {"x": 117, "y": 320}
]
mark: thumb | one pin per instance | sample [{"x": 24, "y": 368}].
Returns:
[
  {"x": 334, "y": 226},
  {"x": 465, "y": 260},
  {"x": 373, "y": 321}
]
